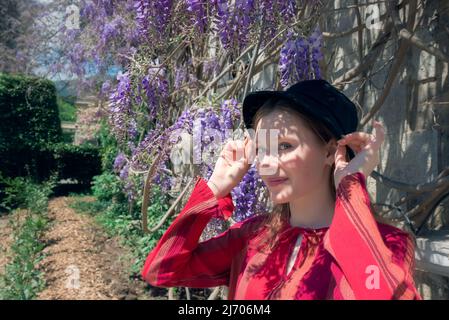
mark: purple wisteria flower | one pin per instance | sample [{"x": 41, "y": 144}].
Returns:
[
  {"x": 210, "y": 67},
  {"x": 277, "y": 13},
  {"x": 106, "y": 36},
  {"x": 108, "y": 6},
  {"x": 299, "y": 58},
  {"x": 156, "y": 90},
  {"x": 234, "y": 21},
  {"x": 316, "y": 42},
  {"x": 105, "y": 89},
  {"x": 245, "y": 195},
  {"x": 88, "y": 10},
  {"x": 237, "y": 20},
  {"x": 180, "y": 77},
  {"x": 119, "y": 162},
  {"x": 143, "y": 12},
  {"x": 121, "y": 116},
  {"x": 153, "y": 15},
  {"x": 112, "y": 29},
  {"x": 230, "y": 113},
  {"x": 76, "y": 57},
  {"x": 198, "y": 11}
]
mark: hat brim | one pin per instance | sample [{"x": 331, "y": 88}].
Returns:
[{"x": 254, "y": 100}]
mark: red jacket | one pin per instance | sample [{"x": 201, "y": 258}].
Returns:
[{"x": 356, "y": 257}]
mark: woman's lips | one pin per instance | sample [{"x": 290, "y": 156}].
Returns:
[{"x": 275, "y": 182}]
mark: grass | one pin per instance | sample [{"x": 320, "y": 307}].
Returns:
[{"x": 22, "y": 279}]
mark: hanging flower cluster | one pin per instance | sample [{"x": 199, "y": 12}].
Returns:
[
  {"x": 122, "y": 117},
  {"x": 153, "y": 15},
  {"x": 299, "y": 58},
  {"x": 199, "y": 18},
  {"x": 155, "y": 87}
]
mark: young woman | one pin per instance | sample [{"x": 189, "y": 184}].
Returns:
[{"x": 321, "y": 240}]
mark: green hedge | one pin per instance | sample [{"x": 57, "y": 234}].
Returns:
[
  {"x": 31, "y": 140},
  {"x": 70, "y": 161},
  {"x": 63, "y": 161},
  {"x": 29, "y": 112},
  {"x": 81, "y": 162},
  {"x": 30, "y": 123}
]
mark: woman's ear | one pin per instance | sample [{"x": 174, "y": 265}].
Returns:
[{"x": 331, "y": 148}]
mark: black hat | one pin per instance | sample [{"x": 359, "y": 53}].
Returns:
[{"x": 318, "y": 99}]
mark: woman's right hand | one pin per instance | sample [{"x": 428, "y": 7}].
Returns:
[{"x": 234, "y": 161}]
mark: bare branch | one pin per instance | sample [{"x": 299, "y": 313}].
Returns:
[
  {"x": 416, "y": 41},
  {"x": 170, "y": 211},
  {"x": 369, "y": 58}
]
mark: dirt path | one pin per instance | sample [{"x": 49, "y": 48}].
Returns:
[
  {"x": 5, "y": 241},
  {"x": 82, "y": 262}
]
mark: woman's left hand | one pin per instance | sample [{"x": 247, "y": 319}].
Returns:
[{"x": 366, "y": 148}]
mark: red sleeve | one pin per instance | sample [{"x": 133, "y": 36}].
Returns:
[
  {"x": 179, "y": 260},
  {"x": 374, "y": 268}
]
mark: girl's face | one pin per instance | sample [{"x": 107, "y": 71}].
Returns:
[{"x": 301, "y": 157}]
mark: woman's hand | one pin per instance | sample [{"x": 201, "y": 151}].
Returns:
[
  {"x": 366, "y": 148},
  {"x": 234, "y": 161}
]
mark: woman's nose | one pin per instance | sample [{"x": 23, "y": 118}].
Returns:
[{"x": 268, "y": 164}]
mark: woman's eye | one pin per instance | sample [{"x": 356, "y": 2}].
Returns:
[{"x": 284, "y": 146}]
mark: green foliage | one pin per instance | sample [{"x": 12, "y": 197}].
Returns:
[
  {"x": 146, "y": 242},
  {"x": 108, "y": 146},
  {"x": 23, "y": 193},
  {"x": 30, "y": 123},
  {"x": 89, "y": 207},
  {"x": 67, "y": 111},
  {"x": 64, "y": 161},
  {"x": 68, "y": 136},
  {"x": 108, "y": 187},
  {"x": 22, "y": 278},
  {"x": 79, "y": 162},
  {"x": 28, "y": 113},
  {"x": 31, "y": 139}
]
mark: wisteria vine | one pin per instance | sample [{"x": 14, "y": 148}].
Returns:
[{"x": 150, "y": 100}]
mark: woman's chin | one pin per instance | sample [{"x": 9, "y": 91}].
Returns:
[{"x": 279, "y": 198}]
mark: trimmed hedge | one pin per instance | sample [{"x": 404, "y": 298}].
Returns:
[
  {"x": 31, "y": 140},
  {"x": 29, "y": 113},
  {"x": 30, "y": 123},
  {"x": 81, "y": 162}
]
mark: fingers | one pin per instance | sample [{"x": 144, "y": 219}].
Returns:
[
  {"x": 234, "y": 150},
  {"x": 240, "y": 150},
  {"x": 356, "y": 136},
  {"x": 354, "y": 145},
  {"x": 250, "y": 151},
  {"x": 360, "y": 140},
  {"x": 340, "y": 156},
  {"x": 378, "y": 133}
]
